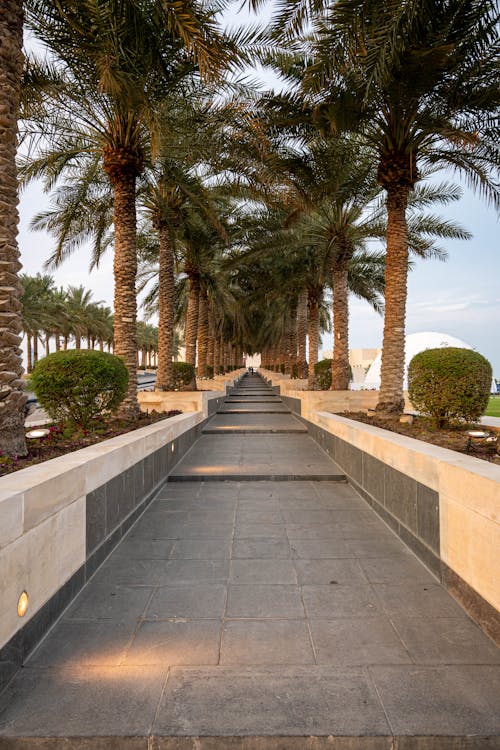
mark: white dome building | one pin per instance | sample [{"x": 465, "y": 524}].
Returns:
[{"x": 414, "y": 343}]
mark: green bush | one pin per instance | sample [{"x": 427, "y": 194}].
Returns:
[
  {"x": 210, "y": 371},
  {"x": 282, "y": 369},
  {"x": 184, "y": 376},
  {"x": 323, "y": 373},
  {"x": 449, "y": 383},
  {"x": 295, "y": 371},
  {"x": 78, "y": 385}
]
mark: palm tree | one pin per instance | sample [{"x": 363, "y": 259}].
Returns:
[
  {"x": 12, "y": 396},
  {"x": 37, "y": 302},
  {"x": 92, "y": 107},
  {"x": 419, "y": 82}
]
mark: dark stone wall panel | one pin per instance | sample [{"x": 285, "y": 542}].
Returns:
[{"x": 401, "y": 497}]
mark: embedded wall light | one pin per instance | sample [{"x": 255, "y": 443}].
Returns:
[{"x": 22, "y": 604}]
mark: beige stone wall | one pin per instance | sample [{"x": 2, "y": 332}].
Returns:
[
  {"x": 469, "y": 496},
  {"x": 42, "y": 514}
]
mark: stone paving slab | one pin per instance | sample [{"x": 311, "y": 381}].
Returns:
[
  {"x": 257, "y": 634},
  {"x": 278, "y": 408},
  {"x": 254, "y": 423},
  {"x": 262, "y": 456}
]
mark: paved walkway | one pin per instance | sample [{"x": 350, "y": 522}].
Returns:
[{"x": 273, "y": 613}]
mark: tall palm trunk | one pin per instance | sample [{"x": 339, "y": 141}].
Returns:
[
  {"x": 216, "y": 353},
  {"x": 78, "y": 341},
  {"x": 58, "y": 342},
  {"x": 203, "y": 333},
  {"x": 29, "y": 352},
  {"x": 166, "y": 287},
  {"x": 292, "y": 341},
  {"x": 211, "y": 345},
  {"x": 302, "y": 335},
  {"x": 391, "y": 400},
  {"x": 125, "y": 272},
  {"x": 313, "y": 298},
  {"x": 35, "y": 348},
  {"x": 47, "y": 344},
  {"x": 340, "y": 361},
  {"x": 192, "y": 318},
  {"x": 12, "y": 396},
  {"x": 65, "y": 343}
]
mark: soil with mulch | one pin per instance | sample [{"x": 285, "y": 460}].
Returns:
[
  {"x": 455, "y": 438},
  {"x": 66, "y": 438}
]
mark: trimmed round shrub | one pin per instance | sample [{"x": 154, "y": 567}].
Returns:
[
  {"x": 449, "y": 383},
  {"x": 323, "y": 374},
  {"x": 210, "y": 371},
  {"x": 78, "y": 385},
  {"x": 184, "y": 376}
]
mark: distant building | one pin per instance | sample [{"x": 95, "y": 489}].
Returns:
[
  {"x": 414, "y": 343},
  {"x": 359, "y": 359}
]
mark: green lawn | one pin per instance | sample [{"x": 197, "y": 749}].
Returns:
[{"x": 493, "y": 408}]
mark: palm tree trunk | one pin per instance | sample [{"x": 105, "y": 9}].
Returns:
[
  {"x": 391, "y": 400},
  {"x": 340, "y": 361},
  {"x": 47, "y": 344},
  {"x": 78, "y": 342},
  {"x": 125, "y": 272},
  {"x": 210, "y": 347},
  {"x": 216, "y": 353},
  {"x": 203, "y": 334},
  {"x": 302, "y": 335},
  {"x": 13, "y": 397},
  {"x": 165, "y": 374},
  {"x": 312, "y": 334},
  {"x": 192, "y": 318},
  {"x": 65, "y": 346},
  {"x": 292, "y": 341},
  {"x": 35, "y": 348},
  {"x": 58, "y": 342},
  {"x": 29, "y": 353}
]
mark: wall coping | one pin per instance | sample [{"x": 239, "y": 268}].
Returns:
[{"x": 30, "y": 496}]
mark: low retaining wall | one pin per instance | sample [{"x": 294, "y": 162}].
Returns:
[
  {"x": 443, "y": 504},
  {"x": 60, "y": 519}
]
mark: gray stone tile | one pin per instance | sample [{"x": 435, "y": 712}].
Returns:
[
  {"x": 95, "y": 514},
  {"x": 329, "y": 571},
  {"x": 264, "y": 601},
  {"x": 374, "y": 477},
  {"x": 401, "y": 497},
  {"x": 318, "y": 531},
  {"x": 440, "y": 700},
  {"x": 85, "y": 702},
  {"x": 201, "y": 549},
  {"x": 167, "y": 642},
  {"x": 74, "y": 643},
  {"x": 447, "y": 641},
  {"x": 194, "y": 602},
  {"x": 108, "y": 602},
  {"x": 317, "y": 549},
  {"x": 132, "y": 572},
  {"x": 262, "y": 571},
  {"x": 388, "y": 546},
  {"x": 196, "y": 571},
  {"x": 261, "y": 549},
  {"x": 266, "y": 642},
  {"x": 333, "y": 601},
  {"x": 395, "y": 570},
  {"x": 134, "y": 548},
  {"x": 259, "y": 531},
  {"x": 293, "y": 701},
  {"x": 428, "y": 516},
  {"x": 205, "y": 531},
  {"x": 310, "y": 517},
  {"x": 157, "y": 525},
  {"x": 417, "y": 600},
  {"x": 357, "y": 642},
  {"x": 259, "y": 516}
]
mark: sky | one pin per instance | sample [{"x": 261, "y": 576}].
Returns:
[{"x": 460, "y": 297}]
